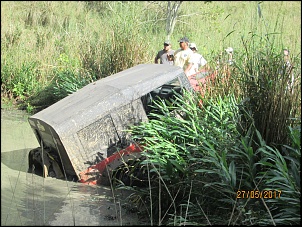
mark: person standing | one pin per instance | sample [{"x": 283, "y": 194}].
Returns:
[
  {"x": 230, "y": 52},
  {"x": 286, "y": 57},
  {"x": 183, "y": 55},
  {"x": 165, "y": 55},
  {"x": 198, "y": 61},
  {"x": 288, "y": 70}
]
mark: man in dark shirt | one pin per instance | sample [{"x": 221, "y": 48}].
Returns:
[{"x": 165, "y": 55}]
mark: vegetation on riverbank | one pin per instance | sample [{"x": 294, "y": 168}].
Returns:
[
  {"x": 214, "y": 165},
  {"x": 206, "y": 169},
  {"x": 246, "y": 136},
  {"x": 50, "y": 49}
]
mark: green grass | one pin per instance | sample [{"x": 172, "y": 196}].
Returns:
[
  {"x": 246, "y": 136},
  {"x": 102, "y": 38},
  {"x": 199, "y": 162}
]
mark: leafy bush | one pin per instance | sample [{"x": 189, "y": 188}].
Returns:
[
  {"x": 66, "y": 82},
  {"x": 21, "y": 81}
]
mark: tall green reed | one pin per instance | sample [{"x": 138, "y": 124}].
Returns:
[
  {"x": 190, "y": 154},
  {"x": 272, "y": 91},
  {"x": 200, "y": 158},
  {"x": 281, "y": 173}
]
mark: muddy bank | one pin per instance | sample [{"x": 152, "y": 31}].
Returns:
[{"x": 28, "y": 199}]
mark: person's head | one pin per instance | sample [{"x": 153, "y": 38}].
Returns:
[
  {"x": 229, "y": 50},
  {"x": 193, "y": 47},
  {"x": 167, "y": 45},
  {"x": 184, "y": 43},
  {"x": 286, "y": 52}
]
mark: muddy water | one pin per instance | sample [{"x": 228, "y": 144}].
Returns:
[{"x": 28, "y": 199}]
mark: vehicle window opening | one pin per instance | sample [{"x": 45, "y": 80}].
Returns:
[{"x": 167, "y": 92}]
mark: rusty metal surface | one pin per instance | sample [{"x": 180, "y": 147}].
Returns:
[{"x": 88, "y": 121}]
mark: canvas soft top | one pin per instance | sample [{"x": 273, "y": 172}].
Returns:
[{"x": 100, "y": 97}]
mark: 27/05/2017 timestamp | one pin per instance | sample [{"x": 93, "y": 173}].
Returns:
[{"x": 255, "y": 194}]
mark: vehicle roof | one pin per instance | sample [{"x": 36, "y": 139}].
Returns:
[{"x": 103, "y": 96}]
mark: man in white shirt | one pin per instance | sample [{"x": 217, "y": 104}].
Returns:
[
  {"x": 183, "y": 56},
  {"x": 197, "y": 59},
  {"x": 196, "y": 74}
]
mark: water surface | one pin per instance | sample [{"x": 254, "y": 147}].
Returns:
[{"x": 28, "y": 199}]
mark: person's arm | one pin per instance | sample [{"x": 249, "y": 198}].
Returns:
[
  {"x": 156, "y": 58},
  {"x": 191, "y": 60},
  {"x": 203, "y": 65},
  {"x": 188, "y": 68}
]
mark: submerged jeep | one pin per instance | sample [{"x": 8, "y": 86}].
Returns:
[{"x": 83, "y": 137}]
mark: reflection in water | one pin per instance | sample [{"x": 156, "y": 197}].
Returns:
[
  {"x": 29, "y": 199},
  {"x": 16, "y": 159}
]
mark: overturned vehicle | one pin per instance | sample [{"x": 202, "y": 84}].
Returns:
[{"x": 83, "y": 137}]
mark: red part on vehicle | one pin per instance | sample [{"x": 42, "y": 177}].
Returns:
[
  {"x": 92, "y": 173},
  {"x": 200, "y": 85}
]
